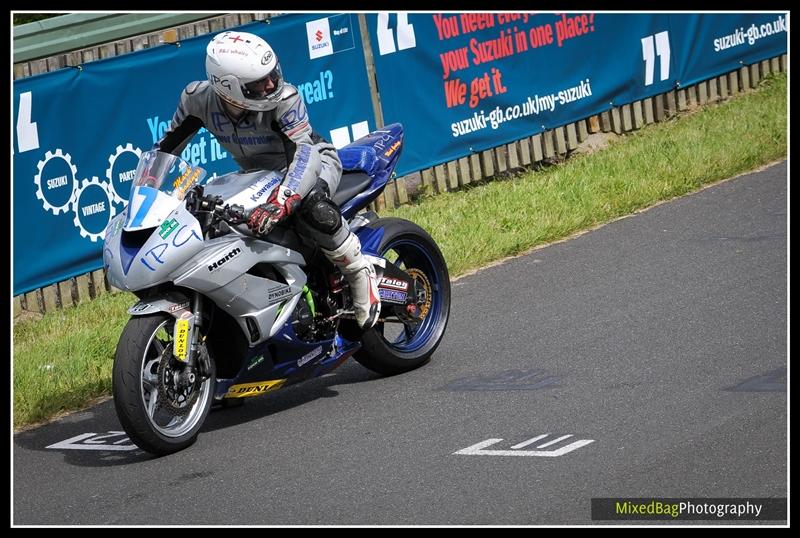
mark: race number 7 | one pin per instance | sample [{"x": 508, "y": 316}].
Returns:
[
  {"x": 148, "y": 195},
  {"x": 649, "y": 52}
]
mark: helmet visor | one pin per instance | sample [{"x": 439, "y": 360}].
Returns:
[{"x": 265, "y": 87}]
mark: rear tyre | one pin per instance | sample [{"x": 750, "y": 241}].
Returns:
[{"x": 395, "y": 347}]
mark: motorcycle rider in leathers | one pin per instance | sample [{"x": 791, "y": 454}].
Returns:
[{"x": 262, "y": 121}]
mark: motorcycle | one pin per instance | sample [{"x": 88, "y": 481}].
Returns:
[{"x": 223, "y": 315}]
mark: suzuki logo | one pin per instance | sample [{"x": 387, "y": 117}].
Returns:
[{"x": 319, "y": 35}]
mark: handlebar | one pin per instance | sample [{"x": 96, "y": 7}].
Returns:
[
  {"x": 215, "y": 205},
  {"x": 232, "y": 214}
]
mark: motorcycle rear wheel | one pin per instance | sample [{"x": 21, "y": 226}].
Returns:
[
  {"x": 156, "y": 417},
  {"x": 393, "y": 348}
]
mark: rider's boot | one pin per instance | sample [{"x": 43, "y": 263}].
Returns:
[{"x": 362, "y": 278}]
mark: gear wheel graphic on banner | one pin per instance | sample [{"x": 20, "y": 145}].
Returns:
[
  {"x": 115, "y": 197},
  {"x": 38, "y": 180},
  {"x": 85, "y": 184}
]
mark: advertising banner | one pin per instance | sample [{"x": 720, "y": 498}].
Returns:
[
  {"x": 461, "y": 83},
  {"x": 78, "y": 132}
]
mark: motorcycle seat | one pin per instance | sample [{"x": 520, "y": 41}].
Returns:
[{"x": 351, "y": 184}]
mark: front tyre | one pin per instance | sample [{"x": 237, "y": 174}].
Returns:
[
  {"x": 395, "y": 346},
  {"x": 161, "y": 411}
]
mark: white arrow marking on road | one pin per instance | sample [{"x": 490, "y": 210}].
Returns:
[
  {"x": 529, "y": 441},
  {"x": 74, "y": 443},
  {"x": 554, "y": 441},
  {"x": 98, "y": 440},
  {"x": 478, "y": 449}
]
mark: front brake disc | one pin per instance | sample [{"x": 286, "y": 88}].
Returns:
[{"x": 174, "y": 397}]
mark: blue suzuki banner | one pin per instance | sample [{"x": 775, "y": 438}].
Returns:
[
  {"x": 714, "y": 44},
  {"x": 79, "y": 132},
  {"x": 459, "y": 83},
  {"x": 465, "y": 82}
]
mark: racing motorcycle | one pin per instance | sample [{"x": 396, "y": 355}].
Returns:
[{"x": 224, "y": 315}]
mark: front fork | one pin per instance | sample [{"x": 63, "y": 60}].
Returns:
[{"x": 187, "y": 342}]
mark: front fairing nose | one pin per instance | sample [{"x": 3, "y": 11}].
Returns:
[{"x": 149, "y": 256}]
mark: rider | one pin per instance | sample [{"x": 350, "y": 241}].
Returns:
[{"x": 262, "y": 121}]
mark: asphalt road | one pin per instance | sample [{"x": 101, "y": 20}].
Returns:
[{"x": 661, "y": 338}]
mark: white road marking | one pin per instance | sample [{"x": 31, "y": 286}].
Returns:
[
  {"x": 530, "y": 441},
  {"x": 92, "y": 441},
  {"x": 554, "y": 441},
  {"x": 479, "y": 448}
]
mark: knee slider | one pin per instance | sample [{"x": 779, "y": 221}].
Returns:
[{"x": 322, "y": 213}]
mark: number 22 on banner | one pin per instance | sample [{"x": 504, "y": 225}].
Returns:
[
  {"x": 405, "y": 34},
  {"x": 649, "y": 52}
]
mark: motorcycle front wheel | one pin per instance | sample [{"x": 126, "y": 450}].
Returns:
[{"x": 160, "y": 411}]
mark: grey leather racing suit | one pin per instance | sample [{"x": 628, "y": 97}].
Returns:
[{"x": 271, "y": 140}]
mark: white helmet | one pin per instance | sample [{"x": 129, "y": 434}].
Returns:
[{"x": 244, "y": 71}]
